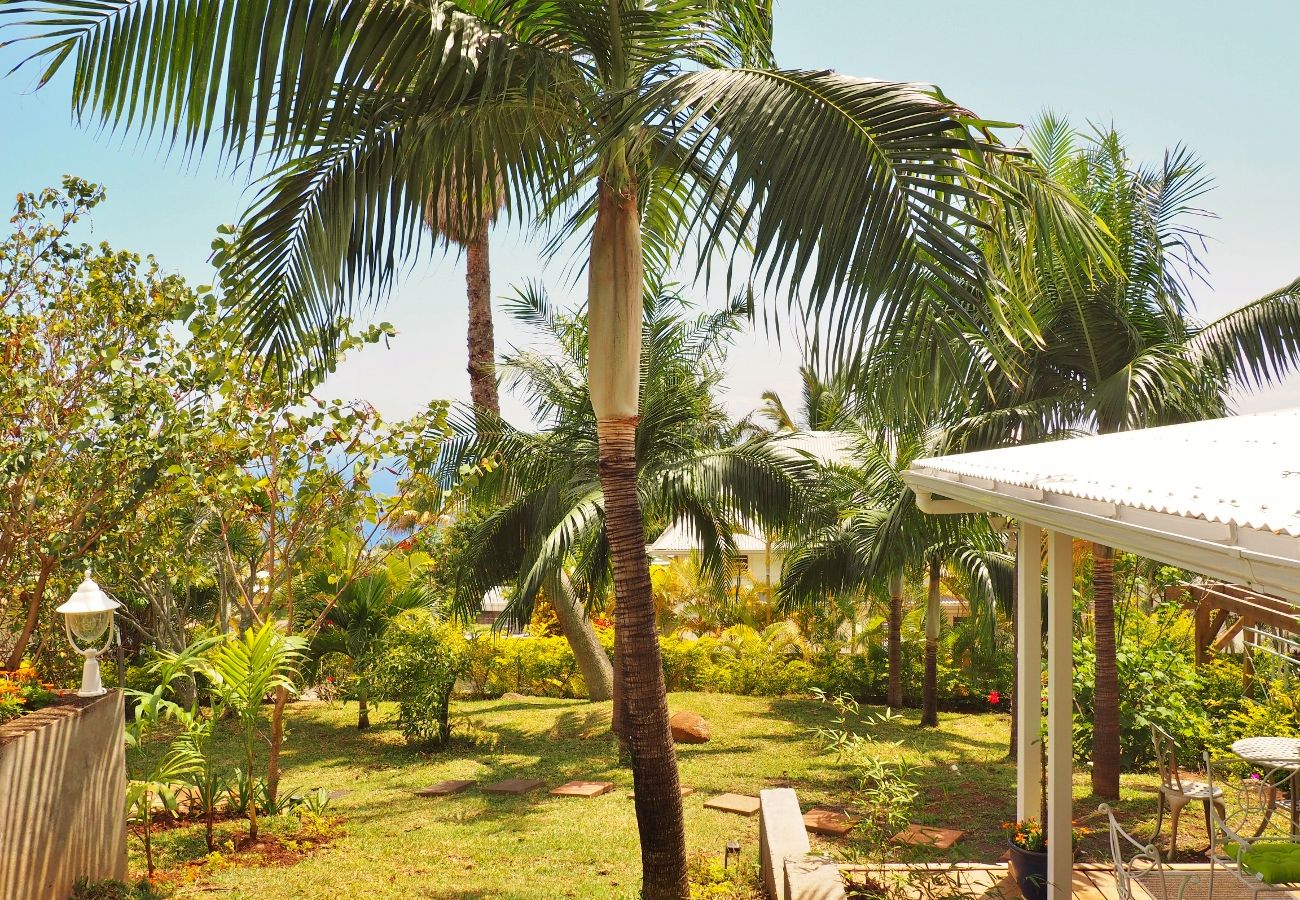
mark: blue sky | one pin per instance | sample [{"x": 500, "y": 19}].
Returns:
[{"x": 1221, "y": 78}]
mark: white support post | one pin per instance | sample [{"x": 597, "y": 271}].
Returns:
[
  {"x": 1060, "y": 707},
  {"x": 1029, "y": 670}
]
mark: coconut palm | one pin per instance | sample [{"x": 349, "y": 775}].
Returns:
[
  {"x": 354, "y": 625},
  {"x": 545, "y": 529},
  {"x": 242, "y": 670},
  {"x": 635, "y": 126}
]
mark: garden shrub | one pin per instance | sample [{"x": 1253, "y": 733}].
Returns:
[
  {"x": 419, "y": 665},
  {"x": 22, "y": 691}
]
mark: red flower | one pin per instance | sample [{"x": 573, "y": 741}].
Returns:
[{"x": 994, "y": 697}]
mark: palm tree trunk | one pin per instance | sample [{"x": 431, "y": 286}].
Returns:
[
  {"x": 1105, "y": 727},
  {"x": 363, "y": 706},
  {"x": 592, "y": 661},
  {"x": 482, "y": 345},
  {"x": 930, "y": 685},
  {"x": 614, "y": 320},
  {"x": 894, "y": 696}
]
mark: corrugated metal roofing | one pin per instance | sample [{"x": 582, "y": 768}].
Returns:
[
  {"x": 680, "y": 538},
  {"x": 1242, "y": 471}
]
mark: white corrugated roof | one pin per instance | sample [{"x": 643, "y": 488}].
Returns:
[
  {"x": 827, "y": 447},
  {"x": 679, "y": 538},
  {"x": 1243, "y": 470},
  {"x": 1220, "y": 497}
]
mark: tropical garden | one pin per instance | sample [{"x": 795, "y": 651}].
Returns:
[{"x": 306, "y": 637}]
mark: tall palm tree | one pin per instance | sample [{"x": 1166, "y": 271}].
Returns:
[
  {"x": 458, "y": 218},
  {"x": 1120, "y": 348},
  {"x": 545, "y": 527},
  {"x": 637, "y": 126}
]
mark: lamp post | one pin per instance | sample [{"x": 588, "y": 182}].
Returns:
[{"x": 88, "y": 614}]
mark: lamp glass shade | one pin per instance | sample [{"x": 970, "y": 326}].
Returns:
[
  {"x": 89, "y": 627},
  {"x": 89, "y": 611}
]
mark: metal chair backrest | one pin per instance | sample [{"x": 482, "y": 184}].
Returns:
[
  {"x": 1145, "y": 862},
  {"x": 1167, "y": 758}
]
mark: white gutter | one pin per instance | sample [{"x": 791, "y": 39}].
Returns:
[{"x": 1208, "y": 551}]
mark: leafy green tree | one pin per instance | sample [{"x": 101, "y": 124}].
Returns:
[
  {"x": 362, "y": 611},
  {"x": 98, "y": 397},
  {"x": 638, "y": 126},
  {"x": 871, "y": 534},
  {"x": 421, "y": 660}
]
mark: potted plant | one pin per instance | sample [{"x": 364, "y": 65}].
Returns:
[{"x": 1028, "y": 841}]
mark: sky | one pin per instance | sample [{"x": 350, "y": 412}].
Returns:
[{"x": 1221, "y": 78}]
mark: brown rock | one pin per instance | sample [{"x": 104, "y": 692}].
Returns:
[{"x": 689, "y": 728}]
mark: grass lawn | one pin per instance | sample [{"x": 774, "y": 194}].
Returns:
[{"x": 537, "y": 846}]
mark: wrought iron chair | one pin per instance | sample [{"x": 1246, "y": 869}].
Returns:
[
  {"x": 1176, "y": 791},
  {"x": 1228, "y": 844},
  {"x": 1142, "y": 873}
]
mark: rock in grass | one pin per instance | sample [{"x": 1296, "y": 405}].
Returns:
[{"x": 689, "y": 728}]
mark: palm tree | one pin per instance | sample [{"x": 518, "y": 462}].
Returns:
[
  {"x": 457, "y": 218},
  {"x": 635, "y": 125},
  {"x": 875, "y": 533},
  {"x": 354, "y": 626},
  {"x": 1120, "y": 348},
  {"x": 545, "y": 531},
  {"x": 243, "y": 670}
]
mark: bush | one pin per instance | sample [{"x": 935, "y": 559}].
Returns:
[
  {"x": 111, "y": 889},
  {"x": 419, "y": 665}
]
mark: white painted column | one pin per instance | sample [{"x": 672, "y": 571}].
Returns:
[
  {"x": 1029, "y": 669},
  {"x": 1060, "y": 707}
]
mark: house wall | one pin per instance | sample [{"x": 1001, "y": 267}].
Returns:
[
  {"x": 765, "y": 568},
  {"x": 62, "y": 790}
]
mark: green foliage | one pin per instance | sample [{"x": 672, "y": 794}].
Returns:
[
  {"x": 888, "y": 788},
  {"x": 1159, "y": 683},
  {"x": 419, "y": 665},
  {"x": 112, "y": 889},
  {"x": 711, "y": 879}
]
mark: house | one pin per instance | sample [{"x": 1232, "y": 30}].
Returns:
[{"x": 758, "y": 558}]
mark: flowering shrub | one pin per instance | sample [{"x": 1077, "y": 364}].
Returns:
[
  {"x": 22, "y": 691},
  {"x": 1029, "y": 834}
]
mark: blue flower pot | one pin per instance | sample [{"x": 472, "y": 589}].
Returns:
[{"x": 1030, "y": 870}]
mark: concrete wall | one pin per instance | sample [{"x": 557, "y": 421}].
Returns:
[{"x": 62, "y": 790}]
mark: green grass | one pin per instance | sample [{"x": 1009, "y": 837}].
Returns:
[{"x": 536, "y": 846}]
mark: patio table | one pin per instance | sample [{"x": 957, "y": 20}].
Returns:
[{"x": 1275, "y": 753}]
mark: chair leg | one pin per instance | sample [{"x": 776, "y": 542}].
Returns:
[
  {"x": 1175, "y": 812},
  {"x": 1208, "y": 824},
  {"x": 1160, "y": 813}
]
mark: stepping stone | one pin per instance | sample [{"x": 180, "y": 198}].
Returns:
[
  {"x": 513, "y": 786},
  {"x": 336, "y": 795},
  {"x": 927, "y": 836},
  {"x": 741, "y": 804},
  {"x": 829, "y": 822},
  {"x": 583, "y": 789},
  {"x": 444, "y": 788},
  {"x": 686, "y": 792}
]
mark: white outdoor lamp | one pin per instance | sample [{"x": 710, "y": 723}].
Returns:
[{"x": 88, "y": 614}]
